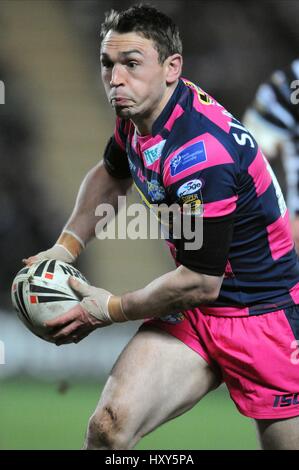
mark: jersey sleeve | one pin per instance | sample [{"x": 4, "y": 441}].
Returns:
[
  {"x": 201, "y": 177},
  {"x": 115, "y": 155}
]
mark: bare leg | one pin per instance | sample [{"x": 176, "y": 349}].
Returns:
[
  {"x": 156, "y": 378},
  {"x": 282, "y": 434}
]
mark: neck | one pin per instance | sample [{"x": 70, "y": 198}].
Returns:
[{"x": 145, "y": 123}]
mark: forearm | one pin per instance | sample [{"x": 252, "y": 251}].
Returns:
[
  {"x": 97, "y": 187},
  {"x": 178, "y": 290}
]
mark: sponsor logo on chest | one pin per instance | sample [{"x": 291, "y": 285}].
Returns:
[
  {"x": 153, "y": 153},
  {"x": 188, "y": 157},
  {"x": 190, "y": 187},
  {"x": 156, "y": 191},
  {"x": 192, "y": 204}
]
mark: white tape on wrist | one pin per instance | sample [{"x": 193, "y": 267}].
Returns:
[
  {"x": 96, "y": 309},
  {"x": 65, "y": 249},
  {"x": 73, "y": 234},
  {"x": 107, "y": 310}
]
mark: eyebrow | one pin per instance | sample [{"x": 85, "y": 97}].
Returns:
[{"x": 125, "y": 53}]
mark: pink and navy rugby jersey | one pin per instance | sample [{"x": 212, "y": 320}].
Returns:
[{"x": 199, "y": 154}]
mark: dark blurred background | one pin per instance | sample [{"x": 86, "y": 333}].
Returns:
[{"x": 53, "y": 128}]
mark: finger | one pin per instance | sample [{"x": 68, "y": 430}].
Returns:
[
  {"x": 30, "y": 261},
  {"x": 82, "y": 333},
  {"x": 67, "y": 331},
  {"x": 82, "y": 289},
  {"x": 66, "y": 318},
  {"x": 72, "y": 338},
  {"x": 60, "y": 342},
  {"x": 81, "y": 336},
  {"x": 76, "y": 330}
]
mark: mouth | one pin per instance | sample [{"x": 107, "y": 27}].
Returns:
[{"x": 119, "y": 100}]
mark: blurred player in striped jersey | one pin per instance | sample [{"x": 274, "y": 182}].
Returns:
[
  {"x": 273, "y": 119},
  {"x": 229, "y": 311}
]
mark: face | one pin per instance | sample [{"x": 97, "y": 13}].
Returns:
[{"x": 134, "y": 80}]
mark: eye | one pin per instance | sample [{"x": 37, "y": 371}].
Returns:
[
  {"x": 132, "y": 64},
  {"x": 106, "y": 64}
]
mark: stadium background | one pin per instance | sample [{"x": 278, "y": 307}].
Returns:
[{"x": 53, "y": 128}]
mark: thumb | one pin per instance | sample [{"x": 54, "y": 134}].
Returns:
[
  {"x": 31, "y": 260},
  {"x": 82, "y": 289}
]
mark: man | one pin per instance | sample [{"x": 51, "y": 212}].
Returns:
[
  {"x": 273, "y": 118},
  {"x": 228, "y": 312}
]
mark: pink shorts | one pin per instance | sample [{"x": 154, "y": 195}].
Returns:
[{"x": 257, "y": 356}]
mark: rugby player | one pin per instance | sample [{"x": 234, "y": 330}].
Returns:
[{"x": 228, "y": 312}]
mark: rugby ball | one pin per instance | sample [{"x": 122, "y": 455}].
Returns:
[{"x": 41, "y": 292}]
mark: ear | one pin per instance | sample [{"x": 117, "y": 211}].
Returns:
[{"x": 173, "y": 67}]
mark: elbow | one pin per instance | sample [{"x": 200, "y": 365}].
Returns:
[
  {"x": 212, "y": 295},
  {"x": 214, "y": 288},
  {"x": 200, "y": 288},
  {"x": 200, "y": 296}
]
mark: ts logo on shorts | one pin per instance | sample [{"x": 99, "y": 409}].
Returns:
[{"x": 288, "y": 399}]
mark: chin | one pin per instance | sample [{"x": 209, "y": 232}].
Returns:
[{"x": 124, "y": 113}]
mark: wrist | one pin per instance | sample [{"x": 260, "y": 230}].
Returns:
[
  {"x": 73, "y": 244},
  {"x": 115, "y": 310}
]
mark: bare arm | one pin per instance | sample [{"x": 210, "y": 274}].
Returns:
[
  {"x": 96, "y": 188},
  {"x": 175, "y": 291}
]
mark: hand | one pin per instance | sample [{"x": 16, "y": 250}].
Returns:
[
  {"x": 58, "y": 252},
  {"x": 81, "y": 320},
  {"x": 67, "y": 249}
]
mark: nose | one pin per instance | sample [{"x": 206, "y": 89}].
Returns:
[{"x": 117, "y": 76}]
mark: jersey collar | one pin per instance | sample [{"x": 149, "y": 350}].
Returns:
[{"x": 168, "y": 109}]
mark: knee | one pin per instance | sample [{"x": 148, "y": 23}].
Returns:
[{"x": 107, "y": 430}]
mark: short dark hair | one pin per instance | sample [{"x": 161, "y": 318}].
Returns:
[{"x": 150, "y": 23}]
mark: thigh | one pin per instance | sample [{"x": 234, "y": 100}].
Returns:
[
  {"x": 280, "y": 434},
  {"x": 156, "y": 378},
  {"x": 255, "y": 354}
]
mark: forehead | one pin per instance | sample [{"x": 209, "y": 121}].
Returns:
[{"x": 116, "y": 43}]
